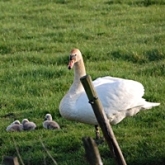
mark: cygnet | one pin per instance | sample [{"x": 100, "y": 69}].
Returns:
[
  {"x": 28, "y": 125},
  {"x": 15, "y": 126},
  {"x": 49, "y": 123}
]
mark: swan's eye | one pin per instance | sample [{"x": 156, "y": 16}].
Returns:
[{"x": 72, "y": 57}]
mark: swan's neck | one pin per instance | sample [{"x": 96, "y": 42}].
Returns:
[{"x": 79, "y": 71}]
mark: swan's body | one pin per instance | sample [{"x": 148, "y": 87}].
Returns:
[
  {"x": 119, "y": 97},
  {"x": 28, "y": 125},
  {"x": 14, "y": 126},
  {"x": 49, "y": 123}
]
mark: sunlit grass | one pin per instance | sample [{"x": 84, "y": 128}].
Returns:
[{"x": 117, "y": 38}]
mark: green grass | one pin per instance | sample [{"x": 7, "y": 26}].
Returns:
[{"x": 117, "y": 38}]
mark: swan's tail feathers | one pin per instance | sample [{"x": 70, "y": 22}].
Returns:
[{"x": 149, "y": 105}]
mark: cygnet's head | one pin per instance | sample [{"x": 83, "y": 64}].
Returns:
[
  {"x": 16, "y": 122},
  {"x": 48, "y": 117},
  {"x": 25, "y": 121}
]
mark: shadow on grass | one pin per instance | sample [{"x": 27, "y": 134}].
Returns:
[
  {"x": 137, "y": 3},
  {"x": 149, "y": 56},
  {"x": 158, "y": 70},
  {"x": 61, "y": 1},
  {"x": 148, "y": 160},
  {"x": 5, "y": 50}
]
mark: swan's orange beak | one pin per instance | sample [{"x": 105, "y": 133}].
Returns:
[{"x": 71, "y": 64}]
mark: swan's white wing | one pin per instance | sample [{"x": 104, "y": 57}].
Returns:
[
  {"x": 119, "y": 94},
  {"x": 133, "y": 85},
  {"x": 116, "y": 95}
]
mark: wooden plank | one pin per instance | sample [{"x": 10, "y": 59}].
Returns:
[
  {"x": 9, "y": 160},
  {"x": 102, "y": 120},
  {"x": 92, "y": 152}
]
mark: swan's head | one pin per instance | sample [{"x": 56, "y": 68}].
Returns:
[
  {"x": 48, "y": 117},
  {"x": 75, "y": 56}
]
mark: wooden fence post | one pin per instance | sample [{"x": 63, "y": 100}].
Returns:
[
  {"x": 9, "y": 160},
  {"x": 102, "y": 119},
  {"x": 92, "y": 152}
]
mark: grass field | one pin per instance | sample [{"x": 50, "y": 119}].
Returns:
[{"x": 117, "y": 38}]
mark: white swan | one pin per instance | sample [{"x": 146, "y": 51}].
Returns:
[
  {"x": 49, "y": 123},
  {"x": 14, "y": 126},
  {"x": 28, "y": 125},
  {"x": 119, "y": 97}
]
